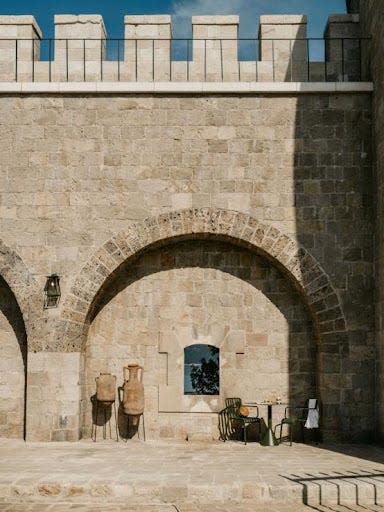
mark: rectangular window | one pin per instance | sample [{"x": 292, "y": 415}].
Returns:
[{"x": 201, "y": 370}]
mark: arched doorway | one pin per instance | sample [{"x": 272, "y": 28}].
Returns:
[
  {"x": 201, "y": 291},
  {"x": 283, "y": 253}
]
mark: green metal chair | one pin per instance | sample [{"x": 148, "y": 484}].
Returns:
[
  {"x": 297, "y": 416},
  {"x": 232, "y": 411}
]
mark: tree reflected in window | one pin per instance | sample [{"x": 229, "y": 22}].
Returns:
[{"x": 201, "y": 370}]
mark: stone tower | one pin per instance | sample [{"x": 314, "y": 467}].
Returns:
[{"x": 371, "y": 20}]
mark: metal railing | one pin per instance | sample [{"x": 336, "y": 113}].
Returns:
[{"x": 137, "y": 60}]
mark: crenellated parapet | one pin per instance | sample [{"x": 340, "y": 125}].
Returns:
[{"x": 81, "y": 52}]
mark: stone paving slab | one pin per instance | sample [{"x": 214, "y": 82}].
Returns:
[
  {"x": 189, "y": 477},
  {"x": 91, "y": 507}
]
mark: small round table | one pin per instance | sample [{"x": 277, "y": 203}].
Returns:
[{"x": 269, "y": 438}]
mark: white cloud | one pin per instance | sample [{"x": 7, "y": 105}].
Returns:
[
  {"x": 184, "y": 9},
  {"x": 250, "y": 11}
]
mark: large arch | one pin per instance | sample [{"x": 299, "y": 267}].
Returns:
[
  {"x": 297, "y": 263},
  {"x": 282, "y": 251}
]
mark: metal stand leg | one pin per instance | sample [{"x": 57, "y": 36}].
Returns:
[
  {"x": 116, "y": 425},
  {"x": 94, "y": 426},
  {"x": 105, "y": 423},
  {"x": 138, "y": 426},
  {"x": 143, "y": 426},
  {"x": 126, "y": 438},
  {"x": 104, "y": 406},
  {"x": 269, "y": 437},
  {"x": 137, "y": 419}
]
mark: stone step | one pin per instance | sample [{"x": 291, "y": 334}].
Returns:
[
  {"x": 209, "y": 507},
  {"x": 326, "y": 490},
  {"x": 141, "y": 491}
]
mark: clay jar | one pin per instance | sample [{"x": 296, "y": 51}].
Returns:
[
  {"x": 133, "y": 390},
  {"x": 106, "y": 387}
]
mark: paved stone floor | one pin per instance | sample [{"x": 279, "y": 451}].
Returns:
[
  {"x": 189, "y": 477},
  {"x": 63, "y": 507}
]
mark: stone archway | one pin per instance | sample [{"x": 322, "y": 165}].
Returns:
[
  {"x": 18, "y": 300},
  {"x": 282, "y": 251},
  {"x": 25, "y": 290},
  {"x": 299, "y": 266}
]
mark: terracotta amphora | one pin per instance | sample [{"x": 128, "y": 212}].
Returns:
[
  {"x": 106, "y": 387},
  {"x": 133, "y": 394}
]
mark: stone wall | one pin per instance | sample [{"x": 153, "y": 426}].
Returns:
[
  {"x": 202, "y": 292},
  {"x": 372, "y": 19},
  {"x": 76, "y": 170}
]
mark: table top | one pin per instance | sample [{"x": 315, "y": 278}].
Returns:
[{"x": 250, "y": 404}]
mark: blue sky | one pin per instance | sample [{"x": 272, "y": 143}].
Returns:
[{"x": 113, "y": 12}]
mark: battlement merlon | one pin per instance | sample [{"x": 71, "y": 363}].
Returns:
[
  {"x": 78, "y": 52},
  {"x": 19, "y": 27},
  {"x": 147, "y": 27},
  {"x": 215, "y": 27},
  {"x": 82, "y": 26}
]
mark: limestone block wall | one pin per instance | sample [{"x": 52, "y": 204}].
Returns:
[
  {"x": 76, "y": 170},
  {"x": 202, "y": 292},
  {"x": 53, "y": 399},
  {"x": 372, "y": 18},
  {"x": 78, "y": 53}
]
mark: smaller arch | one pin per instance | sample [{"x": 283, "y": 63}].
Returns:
[{"x": 19, "y": 311}]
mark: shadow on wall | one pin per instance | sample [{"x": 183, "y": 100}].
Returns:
[
  {"x": 109, "y": 420},
  {"x": 13, "y": 355},
  {"x": 332, "y": 178},
  {"x": 10, "y": 309},
  {"x": 205, "y": 278}
]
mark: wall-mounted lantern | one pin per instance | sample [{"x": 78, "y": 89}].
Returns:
[{"x": 52, "y": 291}]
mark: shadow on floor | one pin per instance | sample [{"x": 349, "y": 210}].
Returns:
[{"x": 353, "y": 491}]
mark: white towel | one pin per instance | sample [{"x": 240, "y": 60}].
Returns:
[{"x": 313, "y": 414}]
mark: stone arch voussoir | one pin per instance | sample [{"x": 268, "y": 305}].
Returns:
[
  {"x": 24, "y": 287},
  {"x": 294, "y": 260}
]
